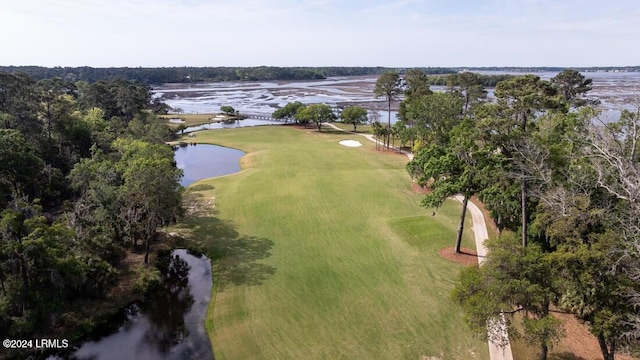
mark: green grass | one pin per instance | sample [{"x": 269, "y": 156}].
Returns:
[
  {"x": 323, "y": 252},
  {"x": 361, "y": 129}
]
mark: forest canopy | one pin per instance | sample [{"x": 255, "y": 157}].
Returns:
[{"x": 86, "y": 178}]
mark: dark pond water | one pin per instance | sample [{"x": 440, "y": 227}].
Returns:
[
  {"x": 170, "y": 326},
  {"x": 204, "y": 161}
]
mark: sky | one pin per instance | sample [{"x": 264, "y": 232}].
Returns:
[{"x": 391, "y": 33}]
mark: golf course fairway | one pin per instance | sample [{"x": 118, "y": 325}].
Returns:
[{"x": 322, "y": 251}]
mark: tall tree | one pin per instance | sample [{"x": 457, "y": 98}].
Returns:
[
  {"x": 56, "y": 100},
  {"x": 18, "y": 105},
  {"x": 524, "y": 97},
  {"x": 613, "y": 153},
  {"x": 389, "y": 85},
  {"x": 20, "y": 168},
  {"x": 592, "y": 279},
  {"x": 96, "y": 214},
  {"x": 151, "y": 193},
  {"x": 416, "y": 84},
  {"x": 572, "y": 88},
  {"x": 577, "y": 220},
  {"x": 453, "y": 169},
  {"x": 470, "y": 86},
  {"x": 434, "y": 116}
]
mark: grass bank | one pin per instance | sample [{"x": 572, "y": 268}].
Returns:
[
  {"x": 360, "y": 129},
  {"x": 195, "y": 119},
  {"x": 323, "y": 252}
]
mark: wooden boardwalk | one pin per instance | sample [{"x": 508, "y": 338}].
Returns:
[
  {"x": 262, "y": 116},
  {"x": 269, "y": 117}
]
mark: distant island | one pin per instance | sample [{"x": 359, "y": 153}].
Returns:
[{"x": 162, "y": 75}]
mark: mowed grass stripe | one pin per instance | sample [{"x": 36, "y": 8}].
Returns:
[{"x": 313, "y": 258}]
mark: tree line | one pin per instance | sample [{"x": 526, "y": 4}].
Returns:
[
  {"x": 486, "y": 80},
  {"x": 186, "y": 74},
  {"x": 199, "y": 74},
  {"x": 85, "y": 179}
]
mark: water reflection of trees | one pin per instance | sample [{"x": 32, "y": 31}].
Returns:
[{"x": 171, "y": 302}]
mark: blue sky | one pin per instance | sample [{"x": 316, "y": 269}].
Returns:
[{"x": 394, "y": 33}]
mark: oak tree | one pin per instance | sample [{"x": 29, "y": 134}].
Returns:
[{"x": 354, "y": 115}]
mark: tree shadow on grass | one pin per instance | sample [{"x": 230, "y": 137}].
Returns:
[
  {"x": 196, "y": 203},
  {"x": 200, "y": 187},
  {"x": 236, "y": 257},
  {"x": 332, "y": 131},
  {"x": 565, "y": 356},
  {"x": 349, "y": 134}
]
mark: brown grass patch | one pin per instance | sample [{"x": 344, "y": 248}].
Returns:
[
  {"x": 466, "y": 257},
  {"x": 416, "y": 188},
  {"x": 579, "y": 342},
  {"x": 248, "y": 161}
]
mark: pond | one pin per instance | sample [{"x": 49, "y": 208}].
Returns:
[
  {"x": 168, "y": 326},
  {"x": 202, "y": 161}
]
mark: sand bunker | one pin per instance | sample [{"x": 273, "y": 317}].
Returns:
[
  {"x": 350, "y": 143},
  {"x": 176, "y": 121}
]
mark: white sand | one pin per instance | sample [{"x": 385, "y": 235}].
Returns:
[
  {"x": 350, "y": 143},
  {"x": 176, "y": 121}
]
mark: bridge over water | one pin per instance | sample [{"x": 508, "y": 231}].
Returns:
[
  {"x": 265, "y": 116},
  {"x": 262, "y": 116}
]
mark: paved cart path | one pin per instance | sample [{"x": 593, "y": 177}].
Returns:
[{"x": 480, "y": 233}]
